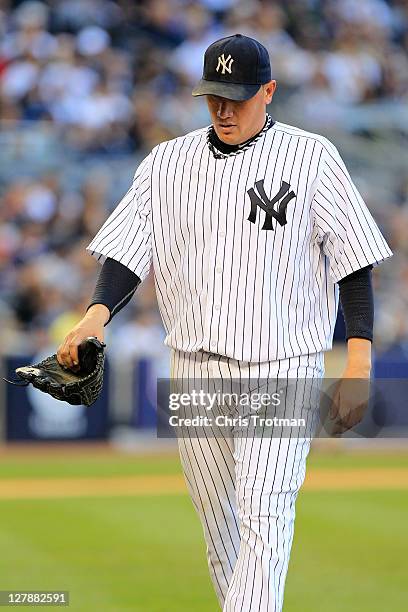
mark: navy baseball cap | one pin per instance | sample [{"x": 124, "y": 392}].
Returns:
[{"x": 234, "y": 67}]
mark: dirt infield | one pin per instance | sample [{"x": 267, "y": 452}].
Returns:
[
  {"x": 39, "y": 450},
  {"x": 42, "y": 488},
  {"x": 317, "y": 480}
]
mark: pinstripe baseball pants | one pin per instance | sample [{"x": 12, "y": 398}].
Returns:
[{"x": 244, "y": 488}]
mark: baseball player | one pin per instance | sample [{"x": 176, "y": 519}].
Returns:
[{"x": 255, "y": 230}]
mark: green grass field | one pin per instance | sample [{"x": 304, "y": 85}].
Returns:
[{"x": 146, "y": 553}]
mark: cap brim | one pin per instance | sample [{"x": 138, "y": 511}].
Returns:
[{"x": 231, "y": 91}]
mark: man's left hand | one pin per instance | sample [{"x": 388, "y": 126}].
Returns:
[{"x": 350, "y": 399}]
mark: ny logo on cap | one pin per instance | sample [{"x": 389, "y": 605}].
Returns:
[
  {"x": 267, "y": 204},
  {"x": 224, "y": 63}
]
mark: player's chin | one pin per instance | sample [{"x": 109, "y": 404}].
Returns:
[{"x": 228, "y": 134}]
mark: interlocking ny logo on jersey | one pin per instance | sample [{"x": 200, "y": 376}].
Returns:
[
  {"x": 224, "y": 63},
  {"x": 268, "y": 205}
]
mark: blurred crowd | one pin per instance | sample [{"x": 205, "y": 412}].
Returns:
[
  {"x": 117, "y": 76},
  {"x": 114, "y": 78}
]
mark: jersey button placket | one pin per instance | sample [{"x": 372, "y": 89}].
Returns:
[
  {"x": 215, "y": 285},
  {"x": 218, "y": 248}
]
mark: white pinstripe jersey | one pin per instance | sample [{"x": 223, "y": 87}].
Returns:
[{"x": 246, "y": 249}]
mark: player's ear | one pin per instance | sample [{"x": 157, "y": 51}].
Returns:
[{"x": 269, "y": 89}]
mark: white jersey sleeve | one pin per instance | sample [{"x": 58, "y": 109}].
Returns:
[
  {"x": 344, "y": 227},
  {"x": 126, "y": 234}
]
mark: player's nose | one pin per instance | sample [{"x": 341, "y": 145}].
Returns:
[{"x": 225, "y": 110}]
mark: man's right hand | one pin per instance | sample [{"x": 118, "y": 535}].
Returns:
[{"x": 91, "y": 325}]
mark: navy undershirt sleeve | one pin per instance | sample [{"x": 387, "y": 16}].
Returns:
[
  {"x": 115, "y": 287},
  {"x": 357, "y": 303}
]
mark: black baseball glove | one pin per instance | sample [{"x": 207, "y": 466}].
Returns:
[{"x": 80, "y": 387}]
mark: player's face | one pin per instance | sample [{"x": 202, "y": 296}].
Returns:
[{"x": 234, "y": 122}]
